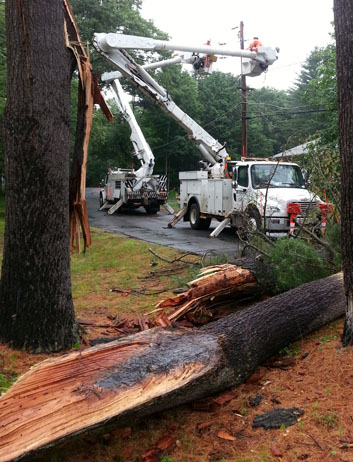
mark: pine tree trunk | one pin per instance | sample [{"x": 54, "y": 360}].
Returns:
[
  {"x": 343, "y": 12},
  {"x": 156, "y": 369},
  {"x": 36, "y": 308}
]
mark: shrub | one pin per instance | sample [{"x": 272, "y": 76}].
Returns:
[{"x": 296, "y": 262}]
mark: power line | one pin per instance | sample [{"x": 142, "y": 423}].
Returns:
[
  {"x": 289, "y": 113},
  {"x": 248, "y": 118},
  {"x": 275, "y": 105}
]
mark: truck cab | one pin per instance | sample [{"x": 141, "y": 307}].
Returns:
[{"x": 263, "y": 190}]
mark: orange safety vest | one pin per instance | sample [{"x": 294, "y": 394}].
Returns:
[
  {"x": 207, "y": 57},
  {"x": 253, "y": 45},
  {"x": 227, "y": 174}
]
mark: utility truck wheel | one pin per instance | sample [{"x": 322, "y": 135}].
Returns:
[
  {"x": 194, "y": 215},
  {"x": 251, "y": 222},
  {"x": 205, "y": 223},
  {"x": 254, "y": 220},
  {"x": 152, "y": 210},
  {"x": 196, "y": 222}
]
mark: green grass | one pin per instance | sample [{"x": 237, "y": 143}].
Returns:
[
  {"x": 173, "y": 200},
  {"x": 114, "y": 261},
  {"x": 108, "y": 257},
  {"x": 6, "y": 382}
]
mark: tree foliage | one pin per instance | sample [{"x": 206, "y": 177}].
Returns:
[
  {"x": 169, "y": 142},
  {"x": 270, "y": 122},
  {"x": 111, "y": 16},
  {"x": 323, "y": 162},
  {"x": 220, "y": 101},
  {"x": 297, "y": 262}
]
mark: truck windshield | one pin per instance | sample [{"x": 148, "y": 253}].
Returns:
[{"x": 276, "y": 176}]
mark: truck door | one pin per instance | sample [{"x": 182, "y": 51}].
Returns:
[{"x": 240, "y": 189}]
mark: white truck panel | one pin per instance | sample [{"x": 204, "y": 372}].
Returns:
[
  {"x": 218, "y": 194},
  {"x": 190, "y": 187},
  {"x": 194, "y": 175},
  {"x": 213, "y": 194}
]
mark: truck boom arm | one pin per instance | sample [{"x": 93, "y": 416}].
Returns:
[
  {"x": 113, "y": 48},
  {"x": 264, "y": 55},
  {"x": 210, "y": 148},
  {"x": 141, "y": 148}
]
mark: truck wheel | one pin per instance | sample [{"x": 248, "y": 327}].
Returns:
[
  {"x": 205, "y": 223},
  {"x": 150, "y": 210},
  {"x": 196, "y": 222},
  {"x": 194, "y": 215},
  {"x": 254, "y": 220}
]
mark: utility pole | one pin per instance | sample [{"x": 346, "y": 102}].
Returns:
[{"x": 244, "y": 132}]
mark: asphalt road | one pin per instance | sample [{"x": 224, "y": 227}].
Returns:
[{"x": 154, "y": 228}]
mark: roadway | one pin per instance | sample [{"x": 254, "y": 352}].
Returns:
[{"x": 154, "y": 228}]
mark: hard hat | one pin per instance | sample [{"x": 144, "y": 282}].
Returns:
[{"x": 229, "y": 158}]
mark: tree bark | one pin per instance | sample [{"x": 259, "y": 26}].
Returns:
[
  {"x": 343, "y": 14},
  {"x": 156, "y": 369},
  {"x": 36, "y": 308}
]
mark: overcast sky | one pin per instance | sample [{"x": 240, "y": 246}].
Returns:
[{"x": 295, "y": 26}]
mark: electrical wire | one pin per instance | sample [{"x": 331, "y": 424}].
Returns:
[
  {"x": 287, "y": 114},
  {"x": 247, "y": 118},
  {"x": 249, "y": 103}
]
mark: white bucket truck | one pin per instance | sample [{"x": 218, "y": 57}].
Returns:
[{"x": 257, "y": 194}]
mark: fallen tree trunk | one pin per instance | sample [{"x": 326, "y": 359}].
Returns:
[{"x": 156, "y": 369}]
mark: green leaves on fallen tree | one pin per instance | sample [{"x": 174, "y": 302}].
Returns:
[{"x": 297, "y": 262}]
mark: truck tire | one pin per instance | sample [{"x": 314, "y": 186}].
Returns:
[
  {"x": 196, "y": 222},
  {"x": 205, "y": 223},
  {"x": 254, "y": 220},
  {"x": 251, "y": 221},
  {"x": 151, "y": 210}
]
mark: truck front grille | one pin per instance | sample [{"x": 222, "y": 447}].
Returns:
[{"x": 306, "y": 206}]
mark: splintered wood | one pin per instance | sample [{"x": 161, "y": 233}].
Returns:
[
  {"x": 62, "y": 396},
  {"x": 89, "y": 94},
  {"x": 214, "y": 283}
]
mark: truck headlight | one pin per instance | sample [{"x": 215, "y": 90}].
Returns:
[{"x": 273, "y": 208}]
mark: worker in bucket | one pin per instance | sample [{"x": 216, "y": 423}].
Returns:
[{"x": 254, "y": 44}]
